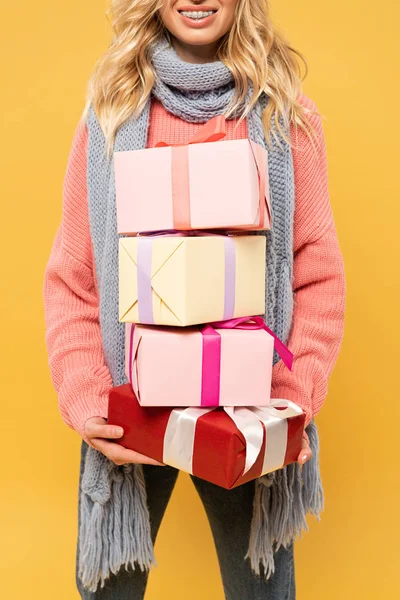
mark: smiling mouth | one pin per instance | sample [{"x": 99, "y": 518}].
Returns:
[{"x": 197, "y": 15}]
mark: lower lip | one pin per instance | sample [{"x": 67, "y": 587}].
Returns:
[{"x": 199, "y": 23}]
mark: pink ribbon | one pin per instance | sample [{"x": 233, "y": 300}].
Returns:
[
  {"x": 211, "y": 367},
  {"x": 212, "y": 131},
  {"x": 130, "y": 363},
  {"x": 262, "y": 170},
  {"x": 257, "y": 323}
]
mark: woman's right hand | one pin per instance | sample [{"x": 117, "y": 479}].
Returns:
[{"x": 96, "y": 429}]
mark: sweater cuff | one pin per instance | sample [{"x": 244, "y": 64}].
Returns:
[
  {"x": 80, "y": 412},
  {"x": 287, "y": 393}
]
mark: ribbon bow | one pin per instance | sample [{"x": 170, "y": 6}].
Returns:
[
  {"x": 254, "y": 323},
  {"x": 211, "y": 371},
  {"x": 251, "y": 422},
  {"x": 212, "y": 131}
]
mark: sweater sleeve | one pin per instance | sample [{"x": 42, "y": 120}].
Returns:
[
  {"x": 319, "y": 286},
  {"x": 73, "y": 338}
]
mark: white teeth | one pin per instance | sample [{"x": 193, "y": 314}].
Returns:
[{"x": 198, "y": 14}]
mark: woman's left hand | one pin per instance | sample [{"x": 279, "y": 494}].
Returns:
[{"x": 305, "y": 452}]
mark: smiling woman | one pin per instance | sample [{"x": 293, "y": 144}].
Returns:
[
  {"x": 172, "y": 66},
  {"x": 239, "y": 33},
  {"x": 197, "y": 23}
]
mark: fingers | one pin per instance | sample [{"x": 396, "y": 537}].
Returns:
[
  {"x": 305, "y": 452},
  {"x": 120, "y": 455},
  {"x": 98, "y": 428}
]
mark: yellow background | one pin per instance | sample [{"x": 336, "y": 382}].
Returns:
[{"x": 47, "y": 51}]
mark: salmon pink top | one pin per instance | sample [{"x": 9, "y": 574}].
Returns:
[{"x": 78, "y": 369}]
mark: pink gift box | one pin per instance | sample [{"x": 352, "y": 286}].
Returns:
[
  {"x": 202, "y": 366},
  {"x": 206, "y": 184}
]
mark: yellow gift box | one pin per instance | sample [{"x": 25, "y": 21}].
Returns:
[{"x": 184, "y": 280}]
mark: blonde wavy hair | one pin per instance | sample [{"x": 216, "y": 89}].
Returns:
[{"x": 253, "y": 50}]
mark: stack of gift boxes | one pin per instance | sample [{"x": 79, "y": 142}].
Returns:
[{"x": 198, "y": 355}]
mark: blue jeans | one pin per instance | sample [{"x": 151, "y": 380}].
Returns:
[{"x": 229, "y": 513}]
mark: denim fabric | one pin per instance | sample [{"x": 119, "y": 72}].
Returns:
[{"x": 229, "y": 514}]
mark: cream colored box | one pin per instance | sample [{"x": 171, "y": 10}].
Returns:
[{"x": 185, "y": 280}]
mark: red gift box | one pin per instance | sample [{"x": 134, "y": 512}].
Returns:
[{"x": 219, "y": 451}]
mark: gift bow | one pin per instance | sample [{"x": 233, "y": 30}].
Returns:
[
  {"x": 255, "y": 323},
  {"x": 251, "y": 422},
  {"x": 212, "y": 131},
  {"x": 211, "y": 369}
]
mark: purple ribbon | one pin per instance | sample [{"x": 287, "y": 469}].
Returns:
[
  {"x": 230, "y": 278},
  {"x": 144, "y": 263},
  {"x": 145, "y": 299}
]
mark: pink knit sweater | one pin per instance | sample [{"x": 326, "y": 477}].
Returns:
[{"x": 78, "y": 369}]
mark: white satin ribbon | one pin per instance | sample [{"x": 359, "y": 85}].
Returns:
[
  {"x": 179, "y": 437},
  {"x": 252, "y": 430},
  {"x": 181, "y": 428},
  {"x": 276, "y": 427}
]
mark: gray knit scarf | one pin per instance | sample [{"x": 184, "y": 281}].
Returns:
[{"x": 114, "y": 527}]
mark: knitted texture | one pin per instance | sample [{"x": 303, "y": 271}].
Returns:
[
  {"x": 193, "y": 92},
  {"x": 73, "y": 337},
  {"x": 317, "y": 305}
]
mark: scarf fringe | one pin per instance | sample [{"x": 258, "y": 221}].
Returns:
[
  {"x": 114, "y": 527},
  {"x": 281, "y": 502}
]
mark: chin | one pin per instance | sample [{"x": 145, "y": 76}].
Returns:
[{"x": 198, "y": 39}]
